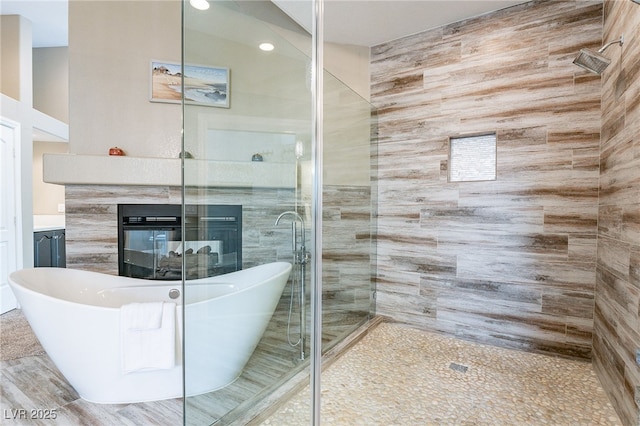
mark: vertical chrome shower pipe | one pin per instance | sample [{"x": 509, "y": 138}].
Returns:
[
  {"x": 301, "y": 258},
  {"x": 317, "y": 36}
]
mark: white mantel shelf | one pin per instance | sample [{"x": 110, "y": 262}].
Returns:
[{"x": 71, "y": 169}]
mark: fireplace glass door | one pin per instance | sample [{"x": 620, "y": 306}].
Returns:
[
  {"x": 151, "y": 246},
  {"x": 149, "y": 254}
]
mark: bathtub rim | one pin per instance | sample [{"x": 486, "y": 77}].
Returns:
[{"x": 150, "y": 283}]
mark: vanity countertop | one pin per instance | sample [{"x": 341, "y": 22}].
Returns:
[{"x": 48, "y": 222}]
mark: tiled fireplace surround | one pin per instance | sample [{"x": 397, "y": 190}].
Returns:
[
  {"x": 547, "y": 257},
  {"x": 92, "y": 234},
  {"x": 92, "y": 224}
]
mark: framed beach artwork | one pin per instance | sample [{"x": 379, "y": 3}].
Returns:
[{"x": 203, "y": 85}]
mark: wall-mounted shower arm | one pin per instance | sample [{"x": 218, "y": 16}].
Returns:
[{"x": 620, "y": 40}]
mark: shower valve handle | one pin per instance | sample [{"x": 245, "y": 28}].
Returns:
[{"x": 302, "y": 256}]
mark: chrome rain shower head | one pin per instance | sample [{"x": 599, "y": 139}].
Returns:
[
  {"x": 595, "y": 61},
  {"x": 591, "y": 61}
]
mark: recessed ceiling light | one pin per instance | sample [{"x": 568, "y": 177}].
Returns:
[
  {"x": 199, "y": 4},
  {"x": 267, "y": 47}
]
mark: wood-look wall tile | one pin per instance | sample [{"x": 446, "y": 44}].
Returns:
[
  {"x": 532, "y": 165},
  {"x": 614, "y": 256},
  {"x": 587, "y": 83},
  {"x": 616, "y": 325},
  {"x": 415, "y": 310},
  {"x": 539, "y": 333},
  {"x": 533, "y": 193},
  {"x": 586, "y": 163},
  {"x": 575, "y": 139},
  {"x": 625, "y": 298},
  {"x": 547, "y": 245},
  {"x": 616, "y": 155},
  {"x": 634, "y": 268},
  {"x": 609, "y": 358},
  {"x": 523, "y": 268},
  {"x": 440, "y": 265},
  {"x": 397, "y": 50},
  {"x": 571, "y": 303},
  {"x": 613, "y": 122},
  {"x": 518, "y": 296},
  {"x": 610, "y": 221},
  {"x": 518, "y": 220},
  {"x": 631, "y": 223},
  {"x": 619, "y": 187},
  {"x": 580, "y": 329},
  {"x": 393, "y": 244},
  {"x": 535, "y": 225},
  {"x": 577, "y": 219},
  {"x": 400, "y": 83},
  {"x": 397, "y": 281},
  {"x": 582, "y": 248}
]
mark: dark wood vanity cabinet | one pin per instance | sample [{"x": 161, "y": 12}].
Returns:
[{"x": 49, "y": 249}]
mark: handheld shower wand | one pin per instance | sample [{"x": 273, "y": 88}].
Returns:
[{"x": 300, "y": 258}]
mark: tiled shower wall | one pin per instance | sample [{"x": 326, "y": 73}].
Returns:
[
  {"x": 510, "y": 262},
  {"x": 617, "y": 307}
]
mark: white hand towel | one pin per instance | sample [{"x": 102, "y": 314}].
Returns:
[
  {"x": 147, "y": 348},
  {"x": 142, "y": 316}
]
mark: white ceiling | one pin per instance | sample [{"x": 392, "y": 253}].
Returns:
[
  {"x": 360, "y": 22},
  {"x": 49, "y": 19},
  {"x": 371, "y": 22}
]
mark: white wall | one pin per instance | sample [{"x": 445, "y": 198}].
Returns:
[
  {"x": 51, "y": 82},
  {"x": 349, "y": 64},
  {"x": 17, "y": 62},
  {"x": 9, "y": 56},
  {"x": 111, "y": 44},
  {"x": 51, "y": 97},
  {"x": 275, "y": 86},
  {"x": 46, "y": 196}
]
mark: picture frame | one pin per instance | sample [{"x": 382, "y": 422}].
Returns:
[{"x": 203, "y": 84}]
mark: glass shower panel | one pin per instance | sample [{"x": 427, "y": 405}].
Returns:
[
  {"x": 348, "y": 226},
  {"x": 247, "y": 143}
]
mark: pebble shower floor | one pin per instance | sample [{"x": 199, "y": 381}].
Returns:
[{"x": 401, "y": 376}]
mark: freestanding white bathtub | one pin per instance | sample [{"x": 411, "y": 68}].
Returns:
[{"x": 76, "y": 314}]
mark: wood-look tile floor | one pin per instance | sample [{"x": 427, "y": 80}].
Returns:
[
  {"x": 31, "y": 387},
  {"x": 34, "y": 392},
  {"x": 393, "y": 376},
  {"x": 401, "y": 376}
]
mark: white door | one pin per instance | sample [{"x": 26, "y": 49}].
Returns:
[{"x": 9, "y": 142}]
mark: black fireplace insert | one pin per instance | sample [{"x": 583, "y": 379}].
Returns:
[{"x": 150, "y": 242}]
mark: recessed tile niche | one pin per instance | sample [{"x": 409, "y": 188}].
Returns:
[{"x": 472, "y": 158}]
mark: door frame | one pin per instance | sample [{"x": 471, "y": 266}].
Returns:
[{"x": 10, "y": 195}]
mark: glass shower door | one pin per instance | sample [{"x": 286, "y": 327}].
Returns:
[{"x": 247, "y": 123}]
